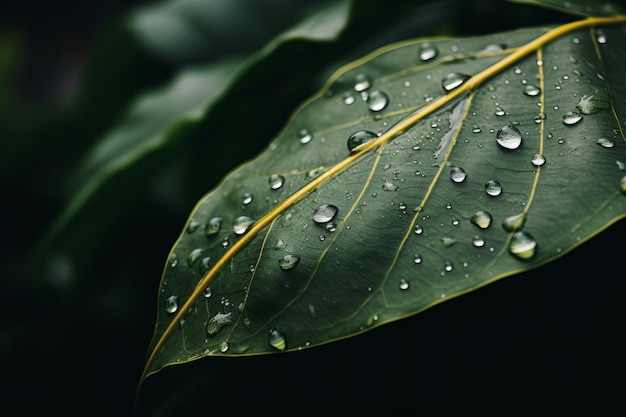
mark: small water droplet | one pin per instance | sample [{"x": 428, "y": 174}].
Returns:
[
  {"x": 453, "y": 80},
  {"x": 193, "y": 256},
  {"x": 476, "y": 129},
  {"x": 247, "y": 198},
  {"x": 478, "y": 241},
  {"x": 348, "y": 99},
  {"x": 213, "y": 226},
  {"x": 571, "y": 118},
  {"x": 171, "y": 304},
  {"x": 324, "y": 213},
  {"x": 361, "y": 82},
  {"x": 448, "y": 241},
  {"x": 514, "y": 223},
  {"x": 224, "y": 346},
  {"x": 389, "y": 186},
  {"x": 288, "y": 261},
  {"x": 215, "y": 324},
  {"x": 427, "y": 51},
  {"x": 622, "y": 185},
  {"x": 482, "y": 219},
  {"x": 404, "y": 284},
  {"x": 276, "y": 181},
  {"x": 493, "y": 188},
  {"x": 457, "y": 174},
  {"x": 531, "y": 90},
  {"x": 193, "y": 226},
  {"x": 509, "y": 137},
  {"x": 605, "y": 143},
  {"x": 359, "y": 138},
  {"x": 173, "y": 260},
  {"x": 417, "y": 259},
  {"x": 242, "y": 224},
  {"x": 447, "y": 266},
  {"x": 538, "y": 160},
  {"x": 277, "y": 339},
  {"x": 523, "y": 245},
  {"x": 305, "y": 136},
  {"x": 500, "y": 112},
  {"x": 331, "y": 226},
  {"x": 208, "y": 292},
  {"x": 377, "y": 100}
]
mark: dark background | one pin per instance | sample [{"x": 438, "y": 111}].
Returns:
[{"x": 73, "y": 342}]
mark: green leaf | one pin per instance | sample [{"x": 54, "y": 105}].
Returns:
[{"x": 381, "y": 196}]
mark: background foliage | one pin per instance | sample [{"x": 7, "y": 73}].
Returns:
[{"x": 79, "y": 312}]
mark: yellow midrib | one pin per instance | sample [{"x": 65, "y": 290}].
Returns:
[{"x": 394, "y": 131}]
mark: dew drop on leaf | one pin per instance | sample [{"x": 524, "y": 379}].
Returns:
[
  {"x": 173, "y": 260},
  {"x": 500, "y": 112},
  {"x": 427, "y": 51},
  {"x": 622, "y": 185},
  {"x": 277, "y": 339},
  {"x": 605, "y": 143},
  {"x": 171, "y": 304},
  {"x": 418, "y": 230},
  {"x": 514, "y": 223},
  {"x": 404, "y": 284},
  {"x": 224, "y": 346},
  {"x": 377, "y": 100},
  {"x": 241, "y": 224},
  {"x": 208, "y": 292},
  {"x": 453, "y": 80},
  {"x": 522, "y": 245},
  {"x": 361, "y": 82},
  {"x": 359, "y": 138},
  {"x": 571, "y": 118},
  {"x": 509, "y": 137},
  {"x": 417, "y": 259},
  {"x": 305, "y": 136},
  {"x": 205, "y": 265},
  {"x": 276, "y": 181},
  {"x": 457, "y": 175},
  {"x": 493, "y": 188},
  {"x": 593, "y": 103},
  {"x": 247, "y": 198},
  {"x": 447, "y": 266},
  {"x": 478, "y": 241},
  {"x": 215, "y": 324},
  {"x": 193, "y": 256},
  {"x": 531, "y": 90},
  {"x": 324, "y": 213},
  {"x": 288, "y": 261},
  {"x": 213, "y": 226},
  {"x": 481, "y": 219},
  {"x": 538, "y": 160},
  {"x": 193, "y": 226},
  {"x": 331, "y": 226}
]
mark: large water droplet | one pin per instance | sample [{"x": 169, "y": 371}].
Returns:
[
  {"x": 193, "y": 226},
  {"x": 482, "y": 219},
  {"x": 605, "y": 143},
  {"x": 215, "y": 324},
  {"x": 571, "y": 118},
  {"x": 277, "y": 339},
  {"x": 457, "y": 174},
  {"x": 531, "y": 90},
  {"x": 361, "y": 82},
  {"x": 538, "y": 160},
  {"x": 523, "y": 245},
  {"x": 242, "y": 224},
  {"x": 324, "y": 213},
  {"x": 193, "y": 256},
  {"x": 213, "y": 226},
  {"x": 359, "y": 138},
  {"x": 427, "y": 51},
  {"x": 493, "y": 188},
  {"x": 453, "y": 80},
  {"x": 276, "y": 181},
  {"x": 509, "y": 137},
  {"x": 377, "y": 100},
  {"x": 171, "y": 304},
  {"x": 288, "y": 261},
  {"x": 514, "y": 223}
]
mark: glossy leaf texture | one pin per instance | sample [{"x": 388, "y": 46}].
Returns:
[{"x": 420, "y": 172}]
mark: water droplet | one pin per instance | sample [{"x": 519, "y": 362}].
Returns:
[
  {"x": 476, "y": 129},
  {"x": 305, "y": 136},
  {"x": 357, "y": 139},
  {"x": 509, "y": 137},
  {"x": 404, "y": 284},
  {"x": 171, "y": 304},
  {"x": 361, "y": 82},
  {"x": 523, "y": 245},
  {"x": 276, "y": 181},
  {"x": 242, "y": 224},
  {"x": 193, "y": 256},
  {"x": 427, "y": 51},
  {"x": 288, "y": 261},
  {"x": 173, "y": 260},
  {"x": 500, "y": 112},
  {"x": 277, "y": 339},
  {"x": 453, "y": 80},
  {"x": 478, "y": 241},
  {"x": 448, "y": 241},
  {"x": 331, "y": 226},
  {"x": 447, "y": 266},
  {"x": 418, "y": 230},
  {"x": 193, "y": 226},
  {"x": 348, "y": 99},
  {"x": 514, "y": 223},
  {"x": 593, "y": 103},
  {"x": 213, "y": 226},
  {"x": 324, "y": 213},
  {"x": 377, "y": 100},
  {"x": 605, "y": 143},
  {"x": 457, "y": 174},
  {"x": 247, "y": 198},
  {"x": 493, "y": 188},
  {"x": 312, "y": 311},
  {"x": 622, "y": 185},
  {"x": 538, "y": 160},
  {"x": 417, "y": 259},
  {"x": 224, "y": 346},
  {"x": 215, "y": 324},
  {"x": 571, "y": 118},
  {"x": 482, "y": 219},
  {"x": 208, "y": 292},
  {"x": 531, "y": 90},
  {"x": 389, "y": 186}
]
